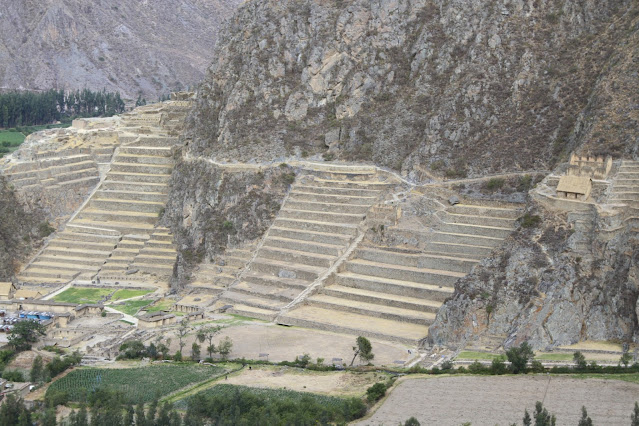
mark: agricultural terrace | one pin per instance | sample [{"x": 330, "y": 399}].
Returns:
[
  {"x": 142, "y": 384},
  {"x": 92, "y": 295}
]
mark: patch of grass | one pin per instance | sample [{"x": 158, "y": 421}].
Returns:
[
  {"x": 127, "y": 294},
  {"x": 476, "y": 355},
  {"x": 554, "y": 357},
  {"x": 236, "y": 320},
  {"x": 131, "y": 307},
  {"x": 81, "y": 295},
  {"x": 13, "y": 138},
  {"x": 631, "y": 377},
  {"x": 136, "y": 384},
  {"x": 494, "y": 184},
  {"x": 163, "y": 305},
  {"x": 530, "y": 221}
]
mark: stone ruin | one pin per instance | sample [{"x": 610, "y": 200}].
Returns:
[{"x": 589, "y": 166}]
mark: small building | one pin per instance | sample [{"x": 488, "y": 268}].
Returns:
[
  {"x": 156, "y": 320},
  {"x": 574, "y": 187},
  {"x": 24, "y": 293},
  {"x": 7, "y": 290},
  {"x": 194, "y": 303}
]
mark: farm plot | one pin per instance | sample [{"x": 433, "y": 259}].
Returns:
[
  {"x": 333, "y": 403},
  {"x": 81, "y": 295},
  {"x": 501, "y": 400},
  {"x": 142, "y": 384}
]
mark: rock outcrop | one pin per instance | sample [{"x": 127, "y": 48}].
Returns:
[
  {"x": 455, "y": 88},
  {"x": 142, "y": 47}
]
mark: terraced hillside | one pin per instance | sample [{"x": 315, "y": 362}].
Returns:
[
  {"x": 116, "y": 227},
  {"x": 319, "y": 221},
  {"x": 393, "y": 292}
]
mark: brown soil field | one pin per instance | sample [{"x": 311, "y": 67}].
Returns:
[{"x": 495, "y": 400}]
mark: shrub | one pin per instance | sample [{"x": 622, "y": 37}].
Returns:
[
  {"x": 498, "y": 366},
  {"x": 494, "y": 184},
  {"x": 580, "y": 360},
  {"x": 13, "y": 376},
  {"x": 56, "y": 397},
  {"x": 519, "y": 357},
  {"x": 45, "y": 229},
  {"x": 375, "y": 392},
  {"x": 529, "y": 221},
  {"x": 476, "y": 368}
]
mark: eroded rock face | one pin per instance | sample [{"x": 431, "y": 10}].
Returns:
[
  {"x": 211, "y": 208},
  {"x": 538, "y": 288},
  {"x": 468, "y": 86},
  {"x": 19, "y": 231}
]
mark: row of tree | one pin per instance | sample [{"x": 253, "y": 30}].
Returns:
[{"x": 31, "y": 108}]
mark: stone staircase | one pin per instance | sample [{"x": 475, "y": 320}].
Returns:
[
  {"x": 157, "y": 256},
  {"x": 315, "y": 226},
  {"x": 393, "y": 292},
  {"x": 625, "y": 189}
]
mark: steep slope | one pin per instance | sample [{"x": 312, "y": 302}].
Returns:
[
  {"x": 148, "y": 47},
  {"x": 451, "y": 87},
  {"x": 19, "y": 231}
]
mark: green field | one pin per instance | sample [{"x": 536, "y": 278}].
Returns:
[
  {"x": 14, "y": 138},
  {"x": 131, "y": 307},
  {"x": 82, "y": 295},
  {"x": 136, "y": 384},
  {"x": 127, "y": 294},
  {"x": 268, "y": 394}
]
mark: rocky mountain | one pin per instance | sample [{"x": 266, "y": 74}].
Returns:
[
  {"x": 453, "y": 88},
  {"x": 147, "y": 47}
]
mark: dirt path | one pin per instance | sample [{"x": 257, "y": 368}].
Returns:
[{"x": 494, "y": 400}]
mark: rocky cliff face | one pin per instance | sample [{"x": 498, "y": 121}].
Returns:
[
  {"x": 453, "y": 88},
  {"x": 20, "y": 231},
  {"x": 148, "y": 47},
  {"x": 211, "y": 208},
  {"x": 541, "y": 287}
]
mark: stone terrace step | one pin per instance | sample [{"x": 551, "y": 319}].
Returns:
[
  {"x": 301, "y": 196},
  {"x": 252, "y": 312},
  {"x": 420, "y": 275},
  {"x": 310, "y": 236},
  {"x": 298, "y": 257},
  {"x": 41, "y": 275},
  {"x": 337, "y": 191},
  {"x": 485, "y": 211},
  {"x": 433, "y": 292},
  {"x": 357, "y": 184},
  {"x": 374, "y": 297},
  {"x": 77, "y": 175},
  {"x": 346, "y": 229},
  {"x": 261, "y": 302},
  {"x": 138, "y": 177},
  {"x": 475, "y": 230},
  {"x": 120, "y": 227},
  {"x": 627, "y": 175},
  {"x": 288, "y": 213},
  {"x": 273, "y": 267},
  {"x": 275, "y": 281},
  {"x": 461, "y": 250},
  {"x": 145, "y": 159},
  {"x": 149, "y": 259},
  {"x": 157, "y": 197},
  {"x": 107, "y": 217},
  {"x": 476, "y": 220},
  {"x": 156, "y": 141},
  {"x": 115, "y": 185},
  {"x": 371, "y": 309},
  {"x": 304, "y": 246},
  {"x": 327, "y": 207},
  {"x": 355, "y": 324},
  {"x": 457, "y": 238},
  {"x": 52, "y": 250},
  {"x": 54, "y": 265},
  {"x": 416, "y": 260},
  {"x": 281, "y": 294},
  {"x": 145, "y": 151},
  {"x": 91, "y": 180},
  {"x": 154, "y": 169},
  {"x": 92, "y": 238},
  {"x": 91, "y": 230},
  {"x": 127, "y": 206}
]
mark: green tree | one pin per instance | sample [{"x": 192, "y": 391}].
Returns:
[
  {"x": 634, "y": 417},
  {"x": 363, "y": 349},
  {"x": 527, "y": 420},
  {"x": 13, "y": 412},
  {"x": 129, "y": 415},
  {"x": 542, "y": 417},
  {"x": 519, "y": 357},
  {"x": 140, "y": 420},
  {"x": 412, "y": 422},
  {"x": 195, "y": 351},
  {"x": 585, "y": 420},
  {"x": 625, "y": 359},
  {"x": 37, "y": 370},
  {"x": 225, "y": 346},
  {"x": 498, "y": 366},
  {"x": 183, "y": 330},
  {"x": 25, "y": 333},
  {"x": 207, "y": 334},
  {"x": 580, "y": 360},
  {"x": 49, "y": 418}
]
